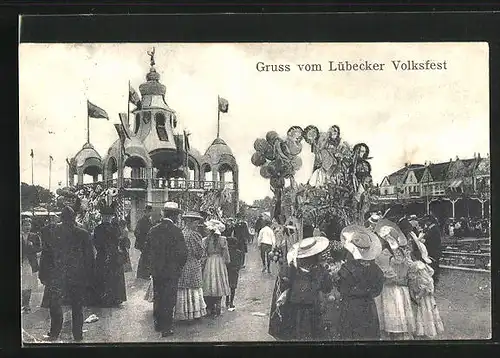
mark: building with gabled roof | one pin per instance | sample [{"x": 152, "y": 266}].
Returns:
[{"x": 454, "y": 181}]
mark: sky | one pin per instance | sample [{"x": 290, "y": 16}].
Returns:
[{"x": 403, "y": 116}]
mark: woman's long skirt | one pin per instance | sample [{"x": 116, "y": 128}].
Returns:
[
  {"x": 395, "y": 311},
  {"x": 29, "y": 279},
  {"x": 215, "y": 277},
  {"x": 428, "y": 319},
  {"x": 190, "y": 304}
]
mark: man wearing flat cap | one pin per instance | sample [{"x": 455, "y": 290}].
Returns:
[
  {"x": 66, "y": 265},
  {"x": 168, "y": 257}
]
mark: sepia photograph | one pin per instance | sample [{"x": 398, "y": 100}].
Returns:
[{"x": 254, "y": 192}]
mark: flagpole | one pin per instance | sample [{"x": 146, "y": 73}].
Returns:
[
  {"x": 218, "y": 117},
  {"x": 32, "y": 174},
  {"x": 88, "y": 123},
  {"x": 50, "y": 170}
]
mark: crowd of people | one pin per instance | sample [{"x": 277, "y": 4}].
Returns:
[
  {"x": 191, "y": 262},
  {"x": 467, "y": 227},
  {"x": 372, "y": 282}
]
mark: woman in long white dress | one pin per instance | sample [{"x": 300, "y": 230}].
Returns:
[{"x": 397, "y": 321}]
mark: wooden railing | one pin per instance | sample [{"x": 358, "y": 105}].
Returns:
[
  {"x": 172, "y": 184},
  {"x": 471, "y": 260}
]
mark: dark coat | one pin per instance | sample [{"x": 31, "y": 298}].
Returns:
[
  {"x": 358, "y": 286},
  {"x": 67, "y": 259},
  {"x": 141, "y": 232},
  {"x": 168, "y": 250},
  {"x": 110, "y": 276},
  {"x": 301, "y": 314},
  {"x": 433, "y": 244},
  {"x": 242, "y": 233},
  {"x": 30, "y": 248},
  {"x": 142, "y": 244}
]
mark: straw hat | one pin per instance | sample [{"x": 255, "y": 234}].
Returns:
[
  {"x": 215, "y": 225},
  {"x": 171, "y": 206},
  {"x": 386, "y": 228},
  {"x": 192, "y": 215},
  {"x": 362, "y": 241},
  {"x": 308, "y": 247}
]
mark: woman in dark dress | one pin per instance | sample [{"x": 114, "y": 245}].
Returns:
[
  {"x": 110, "y": 275},
  {"x": 296, "y": 305},
  {"x": 360, "y": 281}
]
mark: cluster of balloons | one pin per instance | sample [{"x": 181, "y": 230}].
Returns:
[{"x": 278, "y": 158}]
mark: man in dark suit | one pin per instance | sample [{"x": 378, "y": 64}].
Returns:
[
  {"x": 141, "y": 235},
  {"x": 168, "y": 257},
  {"x": 432, "y": 240},
  {"x": 242, "y": 234},
  {"x": 65, "y": 268}
]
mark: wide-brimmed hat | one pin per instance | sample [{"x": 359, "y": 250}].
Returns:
[
  {"x": 216, "y": 226},
  {"x": 171, "y": 206},
  {"x": 308, "y": 247},
  {"x": 386, "y": 228},
  {"x": 192, "y": 215},
  {"x": 362, "y": 241}
]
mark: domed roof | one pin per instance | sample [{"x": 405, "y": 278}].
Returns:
[
  {"x": 218, "y": 153},
  {"x": 135, "y": 148},
  {"x": 153, "y": 85},
  {"x": 196, "y": 154},
  {"x": 87, "y": 152}
]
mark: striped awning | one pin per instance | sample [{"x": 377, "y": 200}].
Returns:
[{"x": 456, "y": 183}]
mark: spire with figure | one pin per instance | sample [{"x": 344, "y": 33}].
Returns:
[{"x": 152, "y": 56}]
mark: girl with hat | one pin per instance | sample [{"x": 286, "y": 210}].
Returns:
[
  {"x": 421, "y": 286},
  {"x": 215, "y": 277},
  {"x": 190, "y": 303},
  {"x": 397, "y": 321},
  {"x": 296, "y": 311},
  {"x": 360, "y": 280}
]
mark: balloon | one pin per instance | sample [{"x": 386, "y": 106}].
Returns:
[
  {"x": 264, "y": 171},
  {"x": 296, "y": 163},
  {"x": 261, "y": 145},
  {"x": 271, "y": 137},
  {"x": 293, "y": 147},
  {"x": 258, "y": 159},
  {"x": 270, "y": 154}
]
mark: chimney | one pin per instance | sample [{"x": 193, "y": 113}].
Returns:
[
  {"x": 474, "y": 155},
  {"x": 478, "y": 155},
  {"x": 451, "y": 160},
  {"x": 456, "y": 158}
]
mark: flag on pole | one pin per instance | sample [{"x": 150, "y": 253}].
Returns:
[
  {"x": 223, "y": 105},
  {"x": 186, "y": 141},
  {"x": 96, "y": 112},
  {"x": 121, "y": 132},
  {"x": 32, "y": 155},
  {"x": 50, "y": 157},
  {"x": 133, "y": 97}
]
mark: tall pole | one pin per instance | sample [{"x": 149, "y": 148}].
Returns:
[
  {"x": 50, "y": 175},
  {"x": 50, "y": 170},
  {"x": 218, "y": 117},
  {"x": 88, "y": 127},
  {"x": 32, "y": 173}
]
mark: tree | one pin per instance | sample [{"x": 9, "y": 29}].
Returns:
[{"x": 34, "y": 195}]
